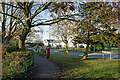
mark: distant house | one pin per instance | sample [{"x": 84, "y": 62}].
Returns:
[
  {"x": 46, "y": 42},
  {"x": 55, "y": 43}
]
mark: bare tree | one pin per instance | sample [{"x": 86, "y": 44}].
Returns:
[
  {"x": 34, "y": 34},
  {"x": 64, "y": 30},
  {"x": 30, "y": 11},
  {"x": 9, "y": 25}
]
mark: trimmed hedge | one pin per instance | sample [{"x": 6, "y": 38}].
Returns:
[{"x": 15, "y": 63}]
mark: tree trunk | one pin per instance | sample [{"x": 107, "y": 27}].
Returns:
[
  {"x": 77, "y": 46},
  {"x": 109, "y": 46},
  {"x": 22, "y": 40},
  {"x": 119, "y": 44},
  {"x": 3, "y": 50},
  {"x": 86, "y": 52},
  {"x": 3, "y": 25},
  {"x": 23, "y": 36},
  {"x": 66, "y": 46},
  {"x": 22, "y": 44}
]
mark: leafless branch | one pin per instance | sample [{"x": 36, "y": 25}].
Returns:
[
  {"x": 31, "y": 17},
  {"x": 13, "y": 17}
]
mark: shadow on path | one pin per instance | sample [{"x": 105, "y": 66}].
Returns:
[{"x": 45, "y": 68}]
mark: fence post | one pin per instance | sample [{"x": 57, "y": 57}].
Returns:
[{"x": 103, "y": 55}]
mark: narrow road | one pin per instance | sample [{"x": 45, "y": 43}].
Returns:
[
  {"x": 45, "y": 68},
  {"x": 116, "y": 54}
]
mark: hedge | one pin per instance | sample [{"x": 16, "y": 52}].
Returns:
[{"x": 15, "y": 63}]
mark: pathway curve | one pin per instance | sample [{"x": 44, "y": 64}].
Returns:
[{"x": 45, "y": 68}]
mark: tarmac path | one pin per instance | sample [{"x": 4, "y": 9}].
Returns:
[{"x": 45, "y": 68}]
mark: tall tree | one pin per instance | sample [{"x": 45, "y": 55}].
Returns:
[
  {"x": 34, "y": 35},
  {"x": 9, "y": 25},
  {"x": 97, "y": 16},
  {"x": 30, "y": 12},
  {"x": 109, "y": 37},
  {"x": 64, "y": 30}
]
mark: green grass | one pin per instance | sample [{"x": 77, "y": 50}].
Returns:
[
  {"x": 113, "y": 49},
  {"x": 82, "y": 50},
  {"x": 73, "y": 67}
]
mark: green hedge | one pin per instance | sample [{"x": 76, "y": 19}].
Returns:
[
  {"x": 34, "y": 44},
  {"x": 15, "y": 63},
  {"x": 13, "y": 46}
]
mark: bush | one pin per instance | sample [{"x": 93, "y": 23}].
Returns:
[
  {"x": 43, "y": 51},
  {"x": 98, "y": 47},
  {"x": 34, "y": 44},
  {"x": 13, "y": 46}
]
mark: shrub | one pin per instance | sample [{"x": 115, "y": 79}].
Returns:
[
  {"x": 98, "y": 47},
  {"x": 34, "y": 44},
  {"x": 13, "y": 46},
  {"x": 43, "y": 51},
  {"x": 15, "y": 63}
]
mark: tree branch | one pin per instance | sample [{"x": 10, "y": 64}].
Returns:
[
  {"x": 20, "y": 4},
  {"x": 13, "y": 17},
  {"x": 31, "y": 17},
  {"x": 52, "y": 21},
  {"x": 10, "y": 5}
]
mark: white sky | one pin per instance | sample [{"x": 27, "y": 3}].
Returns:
[{"x": 46, "y": 30}]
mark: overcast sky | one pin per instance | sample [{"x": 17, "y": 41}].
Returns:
[{"x": 46, "y": 28}]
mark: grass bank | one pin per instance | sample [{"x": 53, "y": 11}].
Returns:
[{"x": 73, "y": 67}]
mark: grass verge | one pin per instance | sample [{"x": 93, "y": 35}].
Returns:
[{"x": 73, "y": 67}]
